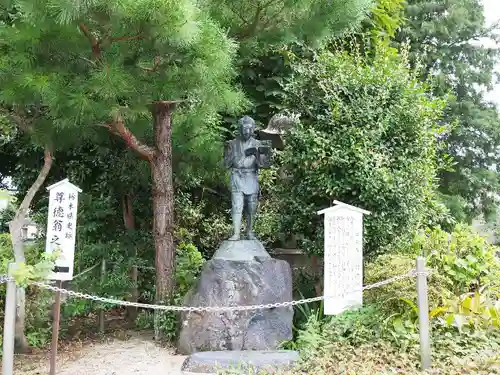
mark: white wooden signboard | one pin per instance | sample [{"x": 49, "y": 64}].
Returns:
[
  {"x": 61, "y": 227},
  {"x": 343, "y": 257}
]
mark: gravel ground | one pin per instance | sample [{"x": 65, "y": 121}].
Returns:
[{"x": 135, "y": 356}]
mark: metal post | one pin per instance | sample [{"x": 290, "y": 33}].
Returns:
[
  {"x": 9, "y": 326},
  {"x": 423, "y": 314},
  {"x": 101, "y": 312},
  {"x": 55, "y": 330}
]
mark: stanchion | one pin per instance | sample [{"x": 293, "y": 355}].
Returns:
[
  {"x": 423, "y": 314},
  {"x": 101, "y": 312},
  {"x": 9, "y": 324},
  {"x": 55, "y": 330}
]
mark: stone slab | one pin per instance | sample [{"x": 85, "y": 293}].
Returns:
[
  {"x": 242, "y": 250},
  {"x": 250, "y": 362}
]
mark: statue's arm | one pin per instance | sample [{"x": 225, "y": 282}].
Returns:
[
  {"x": 265, "y": 154},
  {"x": 228, "y": 155}
]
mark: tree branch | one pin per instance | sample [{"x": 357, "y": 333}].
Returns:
[
  {"x": 250, "y": 31},
  {"x": 96, "y": 44},
  {"x": 25, "y": 204},
  {"x": 238, "y": 14},
  {"x": 87, "y": 33},
  {"x": 118, "y": 128},
  {"x": 87, "y": 60},
  {"x": 126, "y": 37},
  {"x": 96, "y": 47},
  {"x": 21, "y": 123},
  {"x": 485, "y": 33},
  {"x": 156, "y": 64},
  {"x": 17, "y": 223},
  {"x": 272, "y": 18}
]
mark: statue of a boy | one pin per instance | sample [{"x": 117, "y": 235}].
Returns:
[{"x": 244, "y": 155}]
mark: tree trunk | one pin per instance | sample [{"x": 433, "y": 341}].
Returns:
[
  {"x": 15, "y": 228},
  {"x": 129, "y": 222},
  {"x": 163, "y": 203},
  {"x": 160, "y": 159},
  {"x": 163, "y": 200}
]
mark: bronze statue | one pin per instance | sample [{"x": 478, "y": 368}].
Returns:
[{"x": 244, "y": 155}]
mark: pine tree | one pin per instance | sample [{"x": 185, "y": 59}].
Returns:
[
  {"x": 260, "y": 24},
  {"x": 86, "y": 66}
]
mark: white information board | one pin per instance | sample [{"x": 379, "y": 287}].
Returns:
[
  {"x": 343, "y": 257},
  {"x": 61, "y": 227}
]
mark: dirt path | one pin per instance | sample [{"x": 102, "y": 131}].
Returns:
[{"x": 136, "y": 356}]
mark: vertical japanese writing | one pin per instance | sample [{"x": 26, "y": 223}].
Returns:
[
  {"x": 70, "y": 229},
  {"x": 62, "y": 219},
  {"x": 343, "y": 258},
  {"x": 61, "y": 227},
  {"x": 59, "y": 197},
  {"x": 56, "y": 222},
  {"x": 57, "y": 212}
]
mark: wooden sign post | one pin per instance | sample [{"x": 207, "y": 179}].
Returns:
[
  {"x": 61, "y": 231},
  {"x": 343, "y": 257}
]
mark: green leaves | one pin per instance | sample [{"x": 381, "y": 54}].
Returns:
[
  {"x": 463, "y": 257},
  {"x": 366, "y": 137},
  {"x": 460, "y": 65},
  {"x": 258, "y": 24},
  {"x": 476, "y": 311},
  {"x": 110, "y": 83},
  {"x": 96, "y": 61}
]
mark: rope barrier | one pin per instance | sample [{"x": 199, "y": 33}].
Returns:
[{"x": 410, "y": 274}]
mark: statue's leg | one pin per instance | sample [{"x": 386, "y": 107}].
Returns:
[
  {"x": 237, "y": 200},
  {"x": 252, "y": 202}
]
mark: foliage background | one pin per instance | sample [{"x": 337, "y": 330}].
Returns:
[
  {"x": 368, "y": 136},
  {"x": 390, "y": 122}
]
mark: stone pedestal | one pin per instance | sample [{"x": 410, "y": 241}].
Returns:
[
  {"x": 252, "y": 362},
  {"x": 241, "y": 273},
  {"x": 241, "y": 251}
]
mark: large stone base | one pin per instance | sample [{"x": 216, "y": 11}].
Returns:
[
  {"x": 246, "y": 362},
  {"x": 224, "y": 282}
]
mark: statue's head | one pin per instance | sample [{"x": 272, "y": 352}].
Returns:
[{"x": 246, "y": 127}]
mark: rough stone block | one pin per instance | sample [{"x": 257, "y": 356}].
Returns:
[{"x": 238, "y": 283}]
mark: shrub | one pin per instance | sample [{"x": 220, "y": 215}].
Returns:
[
  {"x": 38, "y": 301},
  {"x": 461, "y": 262},
  {"x": 202, "y": 222},
  {"x": 463, "y": 284},
  {"x": 396, "y": 297},
  {"x": 189, "y": 263},
  {"x": 462, "y": 325},
  {"x": 473, "y": 311},
  {"x": 367, "y": 137},
  {"x": 88, "y": 278},
  {"x": 359, "y": 343},
  {"x": 463, "y": 257}
]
